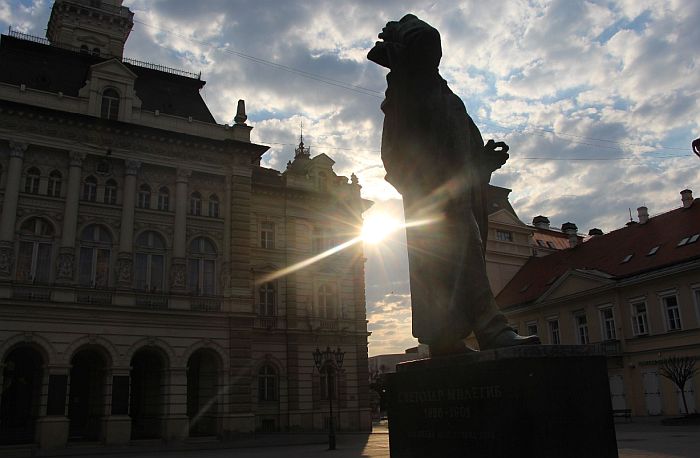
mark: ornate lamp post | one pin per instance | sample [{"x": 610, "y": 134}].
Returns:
[{"x": 331, "y": 361}]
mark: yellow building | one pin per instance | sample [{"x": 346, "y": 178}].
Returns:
[
  {"x": 635, "y": 292},
  {"x": 138, "y": 238}
]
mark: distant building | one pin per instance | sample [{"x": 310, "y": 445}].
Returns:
[
  {"x": 137, "y": 242},
  {"x": 635, "y": 292}
]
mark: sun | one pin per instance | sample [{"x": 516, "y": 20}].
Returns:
[{"x": 377, "y": 227}]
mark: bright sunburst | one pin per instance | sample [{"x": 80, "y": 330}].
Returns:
[{"x": 377, "y": 227}]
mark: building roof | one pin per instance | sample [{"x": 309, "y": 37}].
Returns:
[
  {"x": 549, "y": 238},
  {"x": 665, "y": 240},
  {"x": 54, "y": 69}
]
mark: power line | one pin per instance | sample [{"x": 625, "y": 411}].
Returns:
[
  {"x": 286, "y": 68},
  {"x": 373, "y": 93}
]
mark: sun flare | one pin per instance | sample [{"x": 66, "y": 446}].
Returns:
[{"x": 377, "y": 227}]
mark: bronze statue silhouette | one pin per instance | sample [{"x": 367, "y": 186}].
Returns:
[{"x": 435, "y": 157}]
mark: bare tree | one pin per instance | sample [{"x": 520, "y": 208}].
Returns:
[{"x": 679, "y": 369}]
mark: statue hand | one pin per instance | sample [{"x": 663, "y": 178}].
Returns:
[{"x": 496, "y": 154}]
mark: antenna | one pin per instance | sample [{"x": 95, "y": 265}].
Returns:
[{"x": 630, "y": 210}]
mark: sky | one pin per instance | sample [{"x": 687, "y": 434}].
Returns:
[{"x": 598, "y": 100}]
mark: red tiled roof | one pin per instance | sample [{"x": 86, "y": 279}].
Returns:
[
  {"x": 559, "y": 241},
  {"x": 607, "y": 252}
]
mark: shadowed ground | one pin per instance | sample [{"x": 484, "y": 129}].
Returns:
[{"x": 636, "y": 439}]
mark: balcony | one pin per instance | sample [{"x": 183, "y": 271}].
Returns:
[
  {"x": 152, "y": 301},
  {"x": 205, "y": 304},
  {"x": 610, "y": 348},
  {"x": 266, "y": 322},
  {"x": 31, "y": 293},
  {"x": 94, "y": 297}
]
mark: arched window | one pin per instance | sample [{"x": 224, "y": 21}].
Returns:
[
  {"x": 196, "y": 204},
  {"x": 144, "y": 199},
  {"x": 95, "y": 249},
  {"x": 266, "y": 297},
  {"x": 110, "y": 104},
  {"x": 90, "y": 189},
  {"x": 35, "y": 249},
  {"x": 327, "y": 301},
  {"x": 201, "y": 267},
  {"x": 164, "y": 199},
  {"x": 111, "y": 192},
  {"x": 267, "y": 234},
  {"x": 55, "y": 179},
  {"x": 31, "y": 181},
  {"x": 267, "y": 383},
  {"x": 214, "y": 206},
  {"x": 95, "y": 51},
  {"x": 149, "y": 271},
  {"x": 84, "y": 49}
]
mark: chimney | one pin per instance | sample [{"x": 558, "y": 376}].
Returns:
[
  {"x": 642, "y": 214},
  {"x": 540, "y": 222},
  {"x": 571, "y": 230},
  {"x": 687, "y": 198},
  {"x": 595, "y": 232}
]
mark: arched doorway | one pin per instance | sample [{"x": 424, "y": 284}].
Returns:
[
  {"x": 146, "y": 404},
  {"x": 203, "y": 369},
  {"x": 87, "y": 394},
  {"x": 21, "y": 394}
]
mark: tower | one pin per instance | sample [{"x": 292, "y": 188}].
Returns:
[{"x": 94, "y": 26}]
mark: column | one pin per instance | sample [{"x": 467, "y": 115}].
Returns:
[
  {"x": 239, "y": 208},
  {"x": 65, "y": 265},
  {"x": 178, "y": 268},
  {"x": 9, "y": 208},
  {"x": 226, "y": 267},
  {"x": 125, "y": 259}
]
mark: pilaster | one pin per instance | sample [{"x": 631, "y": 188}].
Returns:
[
  {"x": 126, "y": 234},
  {"x": 8, "y": 218},
  {"x": 178, "y": 266},
  {"x": 65, "y": 263}
]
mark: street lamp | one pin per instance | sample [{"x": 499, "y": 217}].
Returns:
[{"x": 329, "y": 360}]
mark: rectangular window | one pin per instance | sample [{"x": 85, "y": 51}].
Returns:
[
  {"x": 554, "y": 332},
  {"x": 267, "y": 234},
  {"x": 607, "y": 319},
  {"x": 163, "y": 202},
  {"x": 24, "y": 261},
  {"x": 581, "y": 328},
  {"x": 193, "y": 275},
  {"x": 504, "y": 236},
  {"x": 532, "y": 328},
  {"x": 640, "y": 325},
  {"x": 141, "y": 271},
  {"x": 672, "y": 313},
  {"x": 209, "y": 272}
]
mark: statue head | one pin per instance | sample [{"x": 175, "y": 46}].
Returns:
[{"x": 409, "y": 41}]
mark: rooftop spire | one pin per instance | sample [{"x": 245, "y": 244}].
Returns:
[{"x": 300, "y": 151}]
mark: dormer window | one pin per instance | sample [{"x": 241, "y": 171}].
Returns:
[{"x": 110, "y": 104}]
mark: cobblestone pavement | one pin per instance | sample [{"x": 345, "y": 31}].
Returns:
[{"x": 636, "y": 439}]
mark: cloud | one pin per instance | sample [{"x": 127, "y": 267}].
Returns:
[{"x": 571, "y": 80}]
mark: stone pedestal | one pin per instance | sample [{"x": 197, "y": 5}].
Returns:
[
  {"x": 52, "y": 432},
  {"x": 544, "y": 401}
]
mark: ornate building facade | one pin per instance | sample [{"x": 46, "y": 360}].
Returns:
[{"x": 155, "y": 280}]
